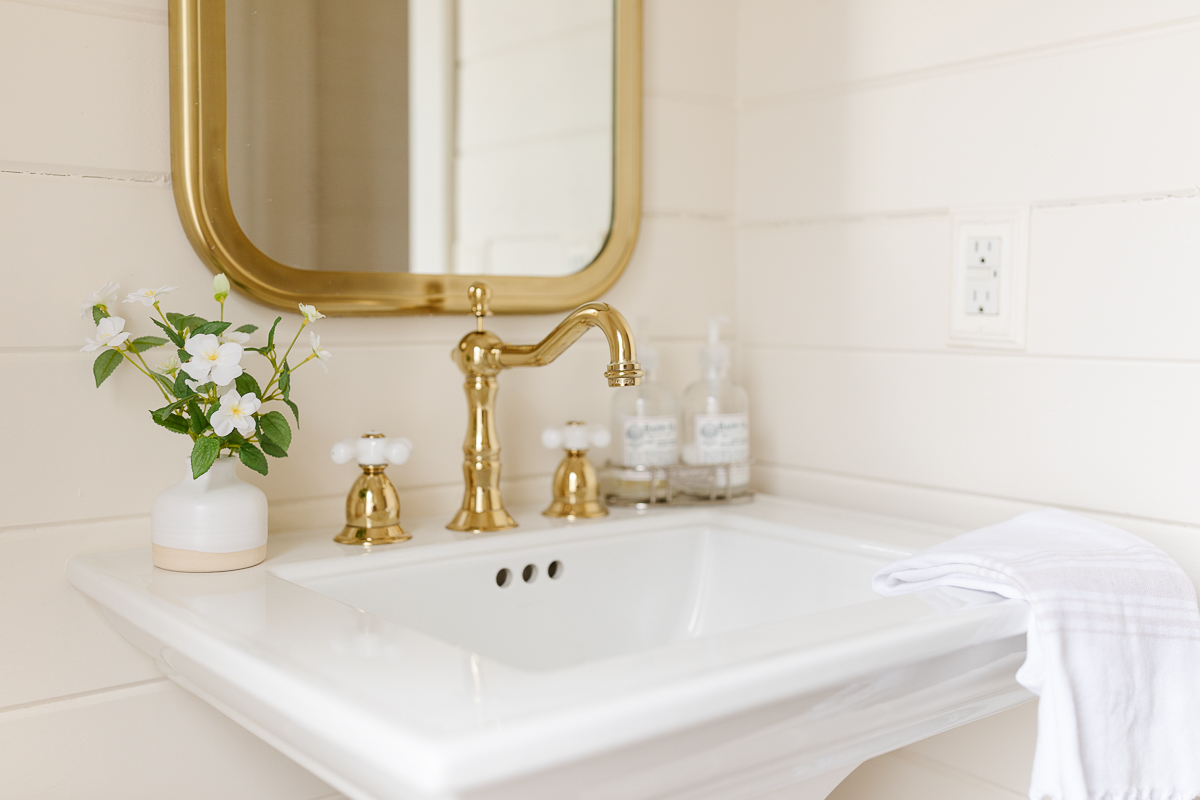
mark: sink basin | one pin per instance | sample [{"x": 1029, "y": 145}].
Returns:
[
  {"x": 733, "y": 653},
  {"x": 572, "y": 601}
]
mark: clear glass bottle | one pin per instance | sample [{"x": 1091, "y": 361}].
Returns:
[
  {"x": 716, "y": 419},
  {"x": 645, "y": 421}
]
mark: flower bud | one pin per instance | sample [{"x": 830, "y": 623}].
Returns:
[{"x": 220, "y": 288}]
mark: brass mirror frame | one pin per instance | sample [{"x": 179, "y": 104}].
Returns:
[{"x": 199, "y": 173}]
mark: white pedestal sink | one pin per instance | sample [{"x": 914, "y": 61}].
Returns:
[{"x": 735, "y": 653}]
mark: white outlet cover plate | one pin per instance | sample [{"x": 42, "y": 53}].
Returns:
[{"x": 1005, "y": 330}]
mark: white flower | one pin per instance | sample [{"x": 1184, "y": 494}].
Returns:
[
  {"x": 211, "y": 360},
  {"x": 148, "y": 297},
  {"x": 101, "y": 297},
  {"x": 321, "y": 353},
  {"x": 169, "y": 366},
  {"x": 236, "y": 411},
  {"x": 110, "y": 332},
  {"x": 237, "y": 337},
  {"x": 310, "y": 313},
  {"x": 220, "y": 287}
]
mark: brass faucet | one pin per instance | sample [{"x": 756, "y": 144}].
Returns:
[{"x": 481, "y": 355}]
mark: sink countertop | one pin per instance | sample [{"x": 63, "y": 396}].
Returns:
[{"x": 302, "y": 670}]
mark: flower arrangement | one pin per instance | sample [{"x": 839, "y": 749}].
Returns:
[{"x": 209, "y": 395}]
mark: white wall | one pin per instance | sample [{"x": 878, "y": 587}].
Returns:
[
  {"x": 84, "y": 198},
  {"x": 861, "y": 124}
]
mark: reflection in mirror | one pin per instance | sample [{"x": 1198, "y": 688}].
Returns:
[{"x": 429, "y": 136}]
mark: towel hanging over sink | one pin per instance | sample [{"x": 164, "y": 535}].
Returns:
[{"x": 1113, "y": 649}]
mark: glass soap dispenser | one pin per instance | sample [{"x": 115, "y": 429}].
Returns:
[
  {"x": 645, "y": 421},
  {"x": 716, "y": 417}
]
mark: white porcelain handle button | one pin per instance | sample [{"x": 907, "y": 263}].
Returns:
[
  {"x": 372, "y": 449},
  {"x": 576, "y": 436}
]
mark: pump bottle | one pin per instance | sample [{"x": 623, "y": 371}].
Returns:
[
  {"x": 716, "y": 418},
  {"x": 645, "y": 421}
]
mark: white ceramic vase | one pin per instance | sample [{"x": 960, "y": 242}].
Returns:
[{"x": 213, "y": 523}]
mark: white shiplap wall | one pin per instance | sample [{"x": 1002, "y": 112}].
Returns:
[
  {"x": 84, "y": 198},
  {"x": 861, "y": 125}
]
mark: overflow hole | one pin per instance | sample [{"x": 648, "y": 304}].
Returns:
[
  {"x": 503, "y": 578},
  {"x": 555, "y": 570},
  {"x": 529, "y": 574}
]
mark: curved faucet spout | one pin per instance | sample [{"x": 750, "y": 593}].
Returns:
[
  {"x": 482, "y": 357},
  {"x": 623, "y": 367}
]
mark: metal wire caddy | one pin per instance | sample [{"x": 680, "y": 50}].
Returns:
[{"x": 675, "y": 485}]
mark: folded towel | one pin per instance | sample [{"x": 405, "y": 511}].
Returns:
[{"x": 1113, "y": 649}]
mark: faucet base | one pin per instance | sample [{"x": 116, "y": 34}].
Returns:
[
  {"x": 482, "y": 521},
  {"x": 386, "y": 534},
  {"x": 566, "y": 510}
]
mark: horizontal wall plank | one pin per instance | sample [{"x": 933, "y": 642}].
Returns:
[
  {"x": 688, "y": 157},
  {"x": 86, "y": 232},
  {"x": 791, "y": 46},
  {"x": 154, "y": 11},
  {"x": 689, "y": 49},
  {"x": 1098, "y": 122},
  {"x": 143, "y": 743},
  {"x": 1116, "y": 280},
  {"x": 121, "y": 461},
  {"x": 1116, "y": 437},
  {"x": 83, "y": 89},
  {"x": 874, "y": 283},
  {"x": 55, "y": 641}
]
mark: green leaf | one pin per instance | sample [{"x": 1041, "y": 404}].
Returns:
[
  {"x": 144, "y": 343},
  {"x": 253, "y": 458},
  {"x": 166, "y": 382},
  {"x": 271, "y": 449},
  {"x": 215, "y": 328},
  {"x": 98, "y": 314},
  {"x": 245, "y": 384},
  {"x": 172, "y": 422},
  {"x": 271, "y": 334},
  {"x": 175, "y": 319},
  {"x": 204, "y": 453},
  {"x": 234, "y": 438},
  {"x": 274, "y": 426},
  {"x": 165, "y": 411},
  {"x": 189, "y": 324},
  {"x": 175, "y": 338},
  {"x": 247, "y": 329},
  {"x": 197, "y": 417},
  {"x": 180, "y": 389},
  {"x": 105, "y": 363},
  {"x": 295, "y": 411},
  {"x": 285, "y": 381}
]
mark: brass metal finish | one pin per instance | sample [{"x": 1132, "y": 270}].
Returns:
[
  {"x": 481, "y": 355},
  {"x": 372, "y": 509},
  {"x": 199, "y": 171},
  {"x": 576, "y": 489}
]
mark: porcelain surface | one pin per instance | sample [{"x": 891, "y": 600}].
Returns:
[{"x": 701, "y": 653}]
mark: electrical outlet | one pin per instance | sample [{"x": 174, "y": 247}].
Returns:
[
  {"x": 988, "y": 278},
  {"x": 984, "y": 251}
]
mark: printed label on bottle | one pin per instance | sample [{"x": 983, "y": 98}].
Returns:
[
  {"x": 722, "y": 438},
  {"x": 649, "y": 441}
]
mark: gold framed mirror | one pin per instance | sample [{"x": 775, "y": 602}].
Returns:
[{"x": 200, "y": 168}]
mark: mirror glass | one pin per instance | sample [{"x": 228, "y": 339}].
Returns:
[{"x": 470, "y": 137}]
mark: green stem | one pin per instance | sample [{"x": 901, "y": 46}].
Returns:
[
  {"x": 282, "y": 361},
  {"x": 129, "y": 351},
  {"x": 163, "y": 316}
]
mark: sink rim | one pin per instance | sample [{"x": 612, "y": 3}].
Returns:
[{"x": 582, "y": 720}]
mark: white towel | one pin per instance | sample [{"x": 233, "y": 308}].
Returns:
[{"x": 1113, "y": 649}]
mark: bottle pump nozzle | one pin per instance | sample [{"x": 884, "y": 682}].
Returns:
[{"x": 714, "y": 357}]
